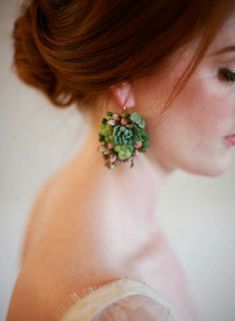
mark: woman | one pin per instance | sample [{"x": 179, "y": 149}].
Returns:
[{"x": 94, "y": 237}]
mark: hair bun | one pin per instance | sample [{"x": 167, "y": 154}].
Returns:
[{"x": 28, "y": 62}]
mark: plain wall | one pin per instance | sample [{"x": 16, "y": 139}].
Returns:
[{"x": 197, "y": 213}]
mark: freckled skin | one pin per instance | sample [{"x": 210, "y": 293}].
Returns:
[
  {"x": 91, "y": 226},
  {"x": 191, "y": 134}
]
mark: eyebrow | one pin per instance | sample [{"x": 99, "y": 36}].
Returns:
[{"x": 224, "y": 50}]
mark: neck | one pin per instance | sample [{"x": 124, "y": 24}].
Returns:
[
  {"x": 135, "y": 190},
  {"x": 121, "y": 203}
]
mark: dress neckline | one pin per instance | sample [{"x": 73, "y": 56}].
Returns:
[{"x": 98, "y": 298}]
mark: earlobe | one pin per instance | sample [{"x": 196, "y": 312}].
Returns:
[{"x": 123, "y": 94}]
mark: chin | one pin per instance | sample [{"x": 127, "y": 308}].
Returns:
[{"x": 212, "y": 169}]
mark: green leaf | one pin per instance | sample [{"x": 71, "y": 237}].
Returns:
[
  {"x": 123, "y": 151},
  {"x": 101, "y": 137},
  {"x": 117, "y": 148},
  {"x": 105, "y": 129},
  {"x": 109, "y": 138},
  {"x": 145, "y": 143},
  {"x": 137, "y": 119},
  {"x": 131, "y": 148},
  {"x": 125, "y": 114}
]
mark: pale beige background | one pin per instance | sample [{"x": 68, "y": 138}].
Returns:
[{"x": 197, "y": 213}]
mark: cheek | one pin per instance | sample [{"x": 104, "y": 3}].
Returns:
[
  {"x": 191, "y": 135},
  {"x": 204, "y": 109}
]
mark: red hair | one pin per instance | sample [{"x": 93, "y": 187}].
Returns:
[{"x": 74, "y": 50}]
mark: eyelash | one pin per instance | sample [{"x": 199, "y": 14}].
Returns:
[{"x": 226, "y": 75}]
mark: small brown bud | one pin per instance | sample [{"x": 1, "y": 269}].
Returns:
[
  {"x": 101, "y": 148},
  {"x": 111, "y": 122},
  {"x": 116, "y": 116},
  {"x": 124, "y": 121},
  {"x": 113, "y": 158},
  {"x": 110, "y": 145},
  {"x": 112, "y": 166},
  {"x": 106, "y": 151},
  {"x": 138, "y": 144}
]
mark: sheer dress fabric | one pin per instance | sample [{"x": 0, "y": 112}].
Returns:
[{"x": 121, "y": 300}]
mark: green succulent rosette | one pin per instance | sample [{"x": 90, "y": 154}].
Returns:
[{"x": 121, "y": 136}]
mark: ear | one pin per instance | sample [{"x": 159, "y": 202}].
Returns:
[{"x": 123, "y": 94}]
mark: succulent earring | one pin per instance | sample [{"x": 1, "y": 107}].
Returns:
[{"x": 122, "y": 136}]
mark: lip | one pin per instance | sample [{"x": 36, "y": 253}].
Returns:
[{"x": 230, "y": 139}]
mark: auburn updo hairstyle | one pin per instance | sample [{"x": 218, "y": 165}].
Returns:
[{"x": 74, "y": 50}]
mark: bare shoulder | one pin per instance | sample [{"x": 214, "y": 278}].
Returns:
[
  {"x": 62, "y": 255},
  {"x": 35, "y": 215}
]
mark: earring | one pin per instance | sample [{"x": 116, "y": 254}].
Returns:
[{"x": 122, "y": 136}]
